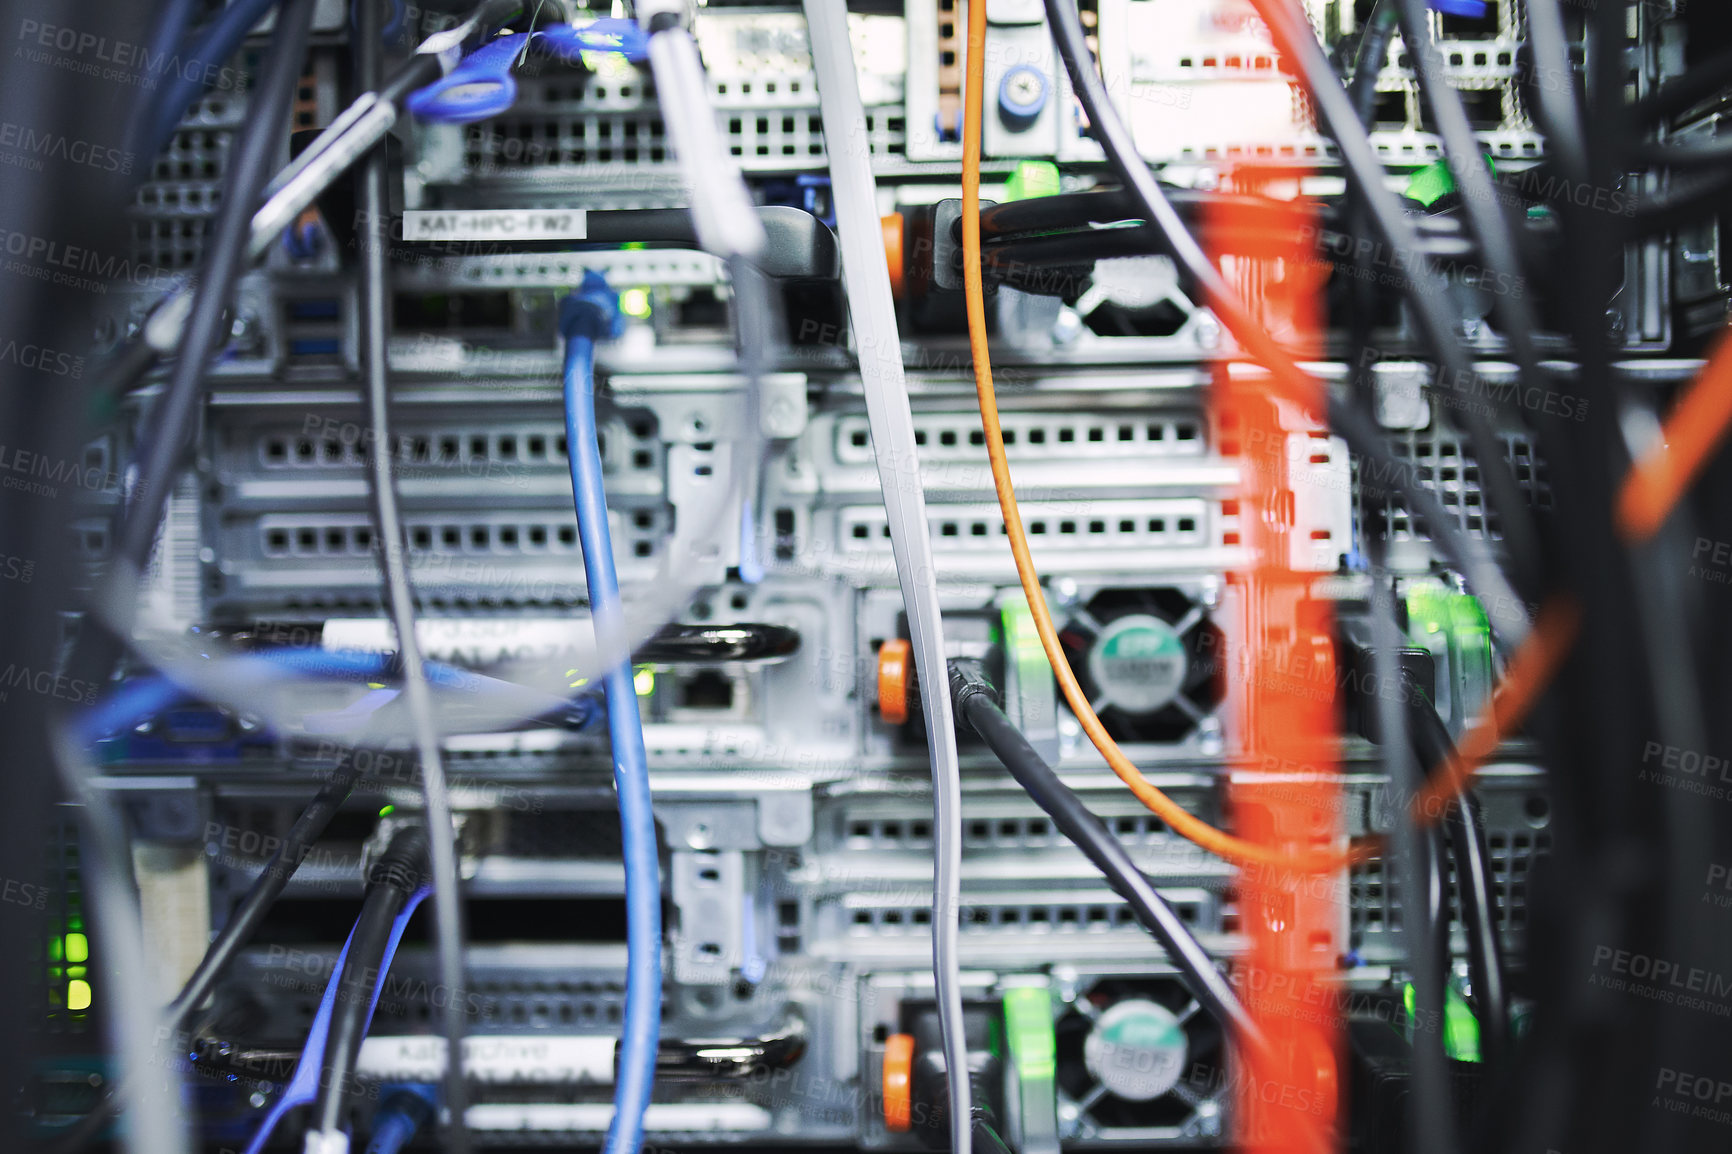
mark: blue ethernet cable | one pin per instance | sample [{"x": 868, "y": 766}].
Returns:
[
  {"x": 142, "y": 697},
  {"x": 210, "y": 47},
  {"x": 590, "y": 314},
  {"x": 404, "y": 1108},
  {"x": 303, "y": 1085}
]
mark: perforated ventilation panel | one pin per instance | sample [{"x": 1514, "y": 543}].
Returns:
[
  {"x": 175, "y": 202},
  {"x": 562, "y": 833},
  {"x": 1049, "y": 915},
  {"x": 1375, "y": 897},
  {"x": 567, "y": 127},
  {"x": 1445, "y": 463},
  {"x": 869, "y": 831},
  {"x": 497, "y": 451},
  {"x": 1036, "y": 436},
  {"x": 1098, "y": 524},
  {"x": 508, "y": 1005},
  {"x": 1200, "y": 91},
  {"x": 452, "y": 535}
]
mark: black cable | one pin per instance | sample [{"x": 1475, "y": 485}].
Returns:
[
  {"x": 169, "y": 428},
  {"x": 375, "y": 297},
  {"x": 1660, "y": 652},
  {"x": 1425, "y": 291},
  {"x": 1483, "y": 204},
  {"x": 1112, "y": 205},
  {"x": 1415, "y": 861},
  {"x": 235, "y": 935},
  {"x": 1709, "y": 78},
  {"x": 391, "y": 881},
  {"x": 250, "y": 914},
  {"x": 1024, "y": 259},
  {"x": 1373, "y": 55},
  {"x": 164, "y": 42},
  {"x": 1480, "y": 200},
  {"x": 1686, "y": 202},
  {"x": 1414, "y": 864},
  {"x": 1602, "y": 817},
  {"x": 1363, "y": 291},
  {"x": 976, "y": 702},
  {"x": 987, "y": 1139},
  {"x": 1433, "y": 746},
  {"x": 1467, "y": 554},
  {"x": 676, "y": 644},
  {"x": 1684, "y": 154}
]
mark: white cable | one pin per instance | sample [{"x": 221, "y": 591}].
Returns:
[
  {"x": 723, "y": 214},
  {"x": 878, "y": 346}
]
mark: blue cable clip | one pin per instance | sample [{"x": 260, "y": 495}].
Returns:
[
  {"x": 1468, "y": 9},
  {"x": 482, "y": 84}
]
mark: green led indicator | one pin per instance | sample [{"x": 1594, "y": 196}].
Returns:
[
  {"x": 387, "y": 811},
  {"x": 1460, "y": 1027},
  {"x": 1032, "y": 178},
  {"x": 644, "y": 681},
  {"x": 1028, "y": 1023},
  {"x": 1019, "y": 630},
  {"x": 76, "y": 948},
  {"x": 1435, "y": 181}
]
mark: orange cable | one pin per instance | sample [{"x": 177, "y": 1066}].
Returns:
[
  {"x": 1698, "y": 423},
  {"x": 1529, "y": 670}
]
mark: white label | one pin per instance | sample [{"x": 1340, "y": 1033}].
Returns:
[
  {"x": 495, "y": 224},
  {"x": 596, "y": 1117},
  {"x": 477, "y": 641},
  {"x": 493, "y": 1060}
]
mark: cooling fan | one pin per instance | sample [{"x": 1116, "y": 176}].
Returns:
[
  {"x": 1140, "y": 1055},
  {"x": 1150, "y": 661}
]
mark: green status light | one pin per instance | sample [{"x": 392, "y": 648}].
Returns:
[
  {"x": 1460, "y": 1027},
  {"x": 1029, "y": 1024}
]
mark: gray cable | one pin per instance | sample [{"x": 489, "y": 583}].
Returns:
[
  {"x": 399, "y": 596},
  {"x": 877, "y": 343}
]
